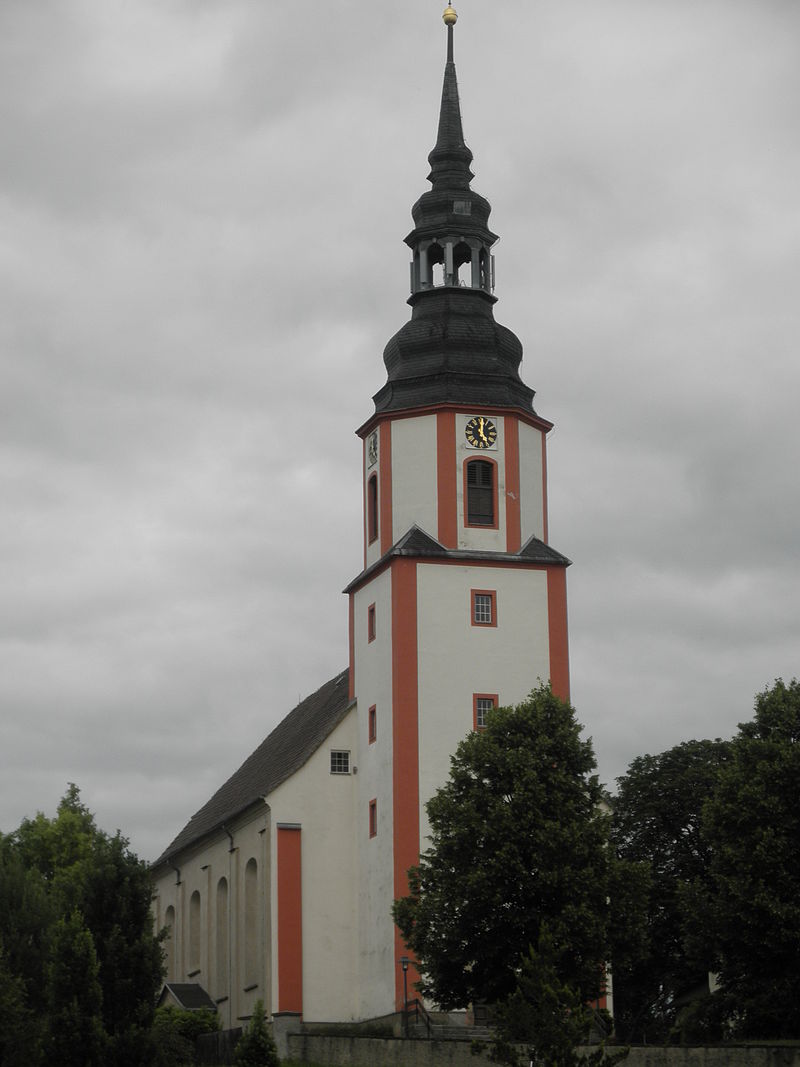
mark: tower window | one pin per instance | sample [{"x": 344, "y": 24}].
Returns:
[
  {"x": 372, "y": 508},
  {"x": 480, "y": 493},
  {"x": 372, "y": 716},
  {"x": 373, "y": 818},
  {"x": 482, "y": 704},
  {"x": 340, "y": 762},
  {"x": 483, "y": 607},
  {"x": 371, "y": 623}
]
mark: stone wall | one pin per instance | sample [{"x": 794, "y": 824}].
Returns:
[{"x": 343, "y": 1051}]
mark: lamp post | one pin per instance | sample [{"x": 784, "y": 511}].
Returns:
[{"x": 404, "y": 965}]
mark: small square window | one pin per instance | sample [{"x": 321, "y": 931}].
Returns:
[
  {"x": 371, "y": 623},
  {"x": 484, "y": 607},
  {"x": 372, "y": 716},
  {"x": 373, "y": 818},
  {"x": 482, "y": 704},
  {"x": 340, "y": 762}
]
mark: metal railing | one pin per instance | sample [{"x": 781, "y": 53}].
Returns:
[{"x": 417, "y": 1011}]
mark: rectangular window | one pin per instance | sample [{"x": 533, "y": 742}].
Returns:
[
  {"x": 483, "y": 607},
  {"x": 482, "y": 704},
  {"x": 372, "y": 715},
  {"x": 340, "y": 762},
  {"x": 371, "y": 623},
  {"x": 373, "y": 818}
]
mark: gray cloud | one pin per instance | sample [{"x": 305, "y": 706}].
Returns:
[{"x": 203, "y": 208}]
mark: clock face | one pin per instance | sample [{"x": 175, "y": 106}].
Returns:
[
  {"x": 372, "y": 449},
  {"x": 480, "y": 432}
]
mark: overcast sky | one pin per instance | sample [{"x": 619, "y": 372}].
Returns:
[{"x": 202, "y": 206}]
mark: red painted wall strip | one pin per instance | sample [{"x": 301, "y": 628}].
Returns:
[
  {"x": 351, "y": 629},
  {"x": 364, "y": 497},
  {"x": 405, "y": 744},
  {"x": 446, "y": 478},
  {"x": 557, "y": 622},
  {"x": 385, "y": 486},
  {"x": 513, "y": 516},
  {"x": 290, "y": 922},
  {"x": 545, "y": 532}
]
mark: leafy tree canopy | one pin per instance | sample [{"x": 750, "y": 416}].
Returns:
[
  {"x": 518, "y": 839},
  {"x": 657, "y": 825},
  {"x": 256, "y": 1047},
  {"x": 751, "y": 903},
  {"x": 75, "y": 901}
]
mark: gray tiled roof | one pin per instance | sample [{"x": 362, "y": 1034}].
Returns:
[
  {"x": 285, "y": 750},
  {"x": 419, "y": 544},
  {"x": 189, "y": 995}
]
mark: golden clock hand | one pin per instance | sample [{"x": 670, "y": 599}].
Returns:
[{"x": 480, "y": 431}]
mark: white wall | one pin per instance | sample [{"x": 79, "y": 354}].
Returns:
[
  {"x": 373, "y": 672},
  {"x": 457, "y": 659},
  {"x": 414, "y": 485},
  {"x": 531, "y": 481},
  {"x": 201, "y": 870},
  {"x": 323, "y": 804}
]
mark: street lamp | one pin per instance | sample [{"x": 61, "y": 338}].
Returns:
[{"x": 404, "y": 965}]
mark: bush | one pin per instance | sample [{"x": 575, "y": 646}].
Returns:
[
  {"x": 175, "y": 1033},
  {"x": 256, "y": 1048}
]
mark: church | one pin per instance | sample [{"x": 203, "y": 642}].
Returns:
[{"x": 280, "y": 887}]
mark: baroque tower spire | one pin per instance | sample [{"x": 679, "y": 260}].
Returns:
[{"x": 452, "y": 350}]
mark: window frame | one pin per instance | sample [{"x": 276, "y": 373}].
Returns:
[
  {"x": 495, "y": 523},
  {"x": 473, "y": 596},
  {"x": 372, "y": 724},
  {"x": 334, "y": 752},
  {"x": 476, "y": 726},
  {"x": 373, "y": 519}
]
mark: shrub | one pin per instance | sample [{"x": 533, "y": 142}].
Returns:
[{"x": 256, "y": 1047}]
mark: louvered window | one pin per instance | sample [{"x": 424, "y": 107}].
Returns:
[
  {"x": 480, "y": 493},
  {"x": 372, "y": 508}
]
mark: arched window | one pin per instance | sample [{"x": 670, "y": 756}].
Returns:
[
  {"x": 222, "y": 950},
  {"x": 436, "y": 264},
  {"x": 480, "y": 493},
  {"x": 194, "y": 932},
  {"x": 169, "y": 941},
  {"x": 252, "y": 924},
  {"x": 462, "y": 264},
  {"x": 372, "y": 508}
]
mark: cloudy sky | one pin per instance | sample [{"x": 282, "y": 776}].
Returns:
[{"x": 202, "y": 206}]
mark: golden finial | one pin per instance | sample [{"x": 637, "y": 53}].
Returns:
[{"x": 450, "y": 15}]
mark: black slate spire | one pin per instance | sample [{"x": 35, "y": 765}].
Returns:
[
  {"x": 450, "y": 159},
  {"x": 452, "y": 350}
]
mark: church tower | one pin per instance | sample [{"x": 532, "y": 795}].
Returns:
[{"x": 461, "y": 605}]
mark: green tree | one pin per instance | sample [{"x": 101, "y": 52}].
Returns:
[
  {"x": 175, "y": 1034},
  {"x": 518, "y": 840},
  {"x": 657, "y": 826},
  {"x": 256, "y": 1047},
  {"x": 52, "y": 870},
  {"x": 751, "y": 904},
  {"x": 76, "y": 1036},
  {"x": 546, "y": 1017},
  {"x": 20, "y": 1044}
]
